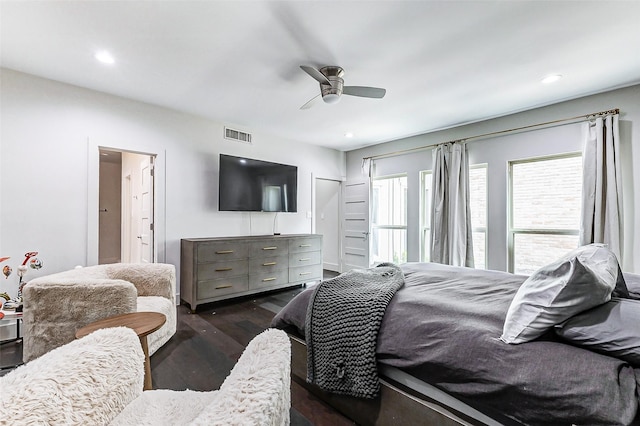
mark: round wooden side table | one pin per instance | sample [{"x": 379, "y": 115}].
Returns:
[{"x": 143, "y": 323}]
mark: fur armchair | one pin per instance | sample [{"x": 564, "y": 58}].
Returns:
[
  {"x": 97, "y": 380},
  {"x": 56, "y": 305}
]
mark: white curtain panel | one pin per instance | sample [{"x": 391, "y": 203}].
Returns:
[
  {"x": 451, "y": 232},
  {"x": 601, "y": 220},
  {"x": 366, "y": 167}
]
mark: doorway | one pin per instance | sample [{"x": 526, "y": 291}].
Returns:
[
  {"x": 126, "y": 207},
  {"x": 327, "y": 221}
]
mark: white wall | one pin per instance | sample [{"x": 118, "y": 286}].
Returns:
[
  {"x": 497, "y": 151},
  {"x": 47, "y": 135}
]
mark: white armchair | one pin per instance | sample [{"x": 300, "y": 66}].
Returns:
[
  {"x": 97, "y": 380},
  {"x": 56, "y": 305}
]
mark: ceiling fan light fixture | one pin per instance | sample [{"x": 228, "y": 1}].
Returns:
[
  {"x": 331, "y": 98},
  {"x": 332, "y": 86}
]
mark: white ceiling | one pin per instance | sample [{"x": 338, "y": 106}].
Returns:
[{"x": 443, "y": 63}]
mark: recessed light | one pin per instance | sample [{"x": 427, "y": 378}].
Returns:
[
  {"x": 551, "y": 78},
  {"x": 348, "y": 135},
  {"x": 104, "y": 57}
]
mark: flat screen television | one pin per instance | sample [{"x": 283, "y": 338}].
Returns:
[{"x": 256, "y": 186}]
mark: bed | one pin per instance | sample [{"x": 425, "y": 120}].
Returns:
[{"x": 441, "y": 360}]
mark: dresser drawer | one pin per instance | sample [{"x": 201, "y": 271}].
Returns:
[
  {"x": 268, "y": 264},
  {"x": 214, "y": 270},
  {"x": 305, "y": 273},
  {"x": 222, "y": 286},
  {"x": 270, "y": 248},
  {"x": 222, "y": 250},
  {"x": 268, "y": 279},
  {"x": 307, "y": 258},
  {"x": 301, "y": 245}
]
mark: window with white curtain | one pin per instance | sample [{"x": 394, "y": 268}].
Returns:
[
  {"x": 544, "y": 210},
  {"x": 478, "y": 207},
  {"x": 389, "y": 219}
]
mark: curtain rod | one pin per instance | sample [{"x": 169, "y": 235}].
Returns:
[{"x": 500, "y": 132}]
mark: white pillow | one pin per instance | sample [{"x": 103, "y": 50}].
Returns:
[{"x": 580, "y": 280}]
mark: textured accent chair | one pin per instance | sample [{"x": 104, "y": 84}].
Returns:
[
  {"x": 57, "y": 305},
  {"x": 97, "y": 380}
]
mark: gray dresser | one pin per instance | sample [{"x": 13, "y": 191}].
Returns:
[{"x": 213, "y": 269}]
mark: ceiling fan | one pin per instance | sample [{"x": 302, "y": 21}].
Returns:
[{"x": 332, "y": 86}]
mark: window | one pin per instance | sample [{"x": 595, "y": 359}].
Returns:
[
  {"x": 544, "y": 205},
  {"x": 389, "y": 219},
  {"x": 425, "y": 215},
  {"x": 478, "y": 207}
]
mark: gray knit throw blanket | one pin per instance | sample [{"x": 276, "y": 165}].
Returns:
[{"x": 341, "y": 329}]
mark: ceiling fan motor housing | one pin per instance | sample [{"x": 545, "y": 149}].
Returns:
[{"x": 331, "y": 92}]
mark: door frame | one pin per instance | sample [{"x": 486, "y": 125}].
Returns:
[{"x": 93, "y": 182}]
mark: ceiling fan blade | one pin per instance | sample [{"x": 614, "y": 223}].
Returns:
[
  {"x": 311, "y": 102},
  {"x": 364, "y": 91},
  {"x": 317, "y": 75}
]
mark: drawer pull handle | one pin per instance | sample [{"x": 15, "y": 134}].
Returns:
[
  {"x": 268, "y": 279},
  {"x": 224, "y": 251},
  {"x": 305, "y": 273},
  {"x": 223, "y": 269},
  {"x": 306, "y": 259},
  {"x": 270, "y": 248},
  {"x": 269, "y": 264},
  {"x": 305, "y": 245},
  {"x": 220, "y": 287}
]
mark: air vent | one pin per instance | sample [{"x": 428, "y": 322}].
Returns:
[{"x": 237, "y": 135}]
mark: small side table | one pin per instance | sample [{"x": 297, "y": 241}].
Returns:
[{"x": 143, "y": 323}]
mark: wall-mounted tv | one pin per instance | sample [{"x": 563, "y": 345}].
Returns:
[{"x": 254, "y": 185}]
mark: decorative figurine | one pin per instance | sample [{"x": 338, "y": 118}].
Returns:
[{"x": 34, "y": 263}]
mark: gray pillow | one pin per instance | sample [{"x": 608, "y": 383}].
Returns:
[
  {"x": 580, "y": 280},
  {"x": 612, "y": 328}
]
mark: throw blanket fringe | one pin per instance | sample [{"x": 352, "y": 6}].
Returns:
[{"x": 341, "y": 328}]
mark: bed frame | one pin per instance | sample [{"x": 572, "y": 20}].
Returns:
[{"x": 403, "y": 399}]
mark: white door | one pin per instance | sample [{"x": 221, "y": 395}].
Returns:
[
  {"x": 356, "y": 224},
  {"x": 146, "y": 210}
]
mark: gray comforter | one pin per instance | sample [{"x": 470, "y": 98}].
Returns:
[{"x": 452, "y": 341}]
